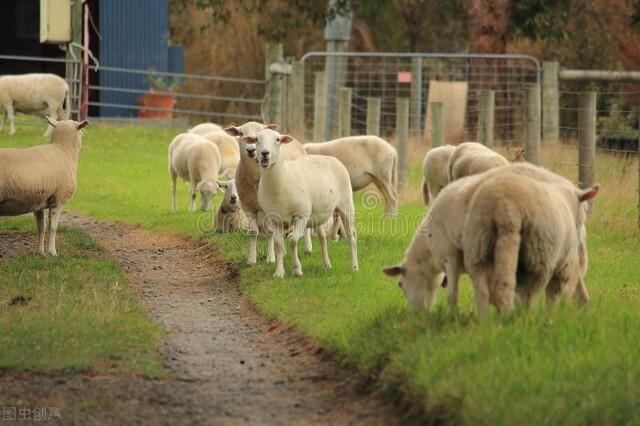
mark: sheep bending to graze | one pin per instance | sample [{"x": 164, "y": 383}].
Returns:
[
  {"x": 36, "y": 94},
  {"x": 229, "y": 216},
  {"x": 42, "y": 177},
  {"x": 470, "y": 158},
  {"x": 436, "y": 247},
  {"x": 197, "y": 161},
  {"x": 247, "y": 178},
  {"x": 302, "y": 193},
  {"x": 520, "y": 236},
  {"x": 368, "y": 159},
  {"x": 229, "y": 152},
  {"x": 204, "y": 128},
  {"x": 436, "y": 171}
]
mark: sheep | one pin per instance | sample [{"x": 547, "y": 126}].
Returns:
[
  {"x": 437, "y": 246},
  {"x": 229, "y": 216},
  {"x": 195, "y": 160},
  {"x": 470, "y": 158},
  {"x": 42, "y": 177},
  {"x": 229, "y": 152},
  {"x": 522, "y": 231},
  {"x": 303, "y": 193},
  {"x": 203, "y": 129},
  {"x": 36, "y": 94},
  {"x": 246, "y": 179},
  {"x": 435, "y": 171},
  {"x": 368, "y": 159}
]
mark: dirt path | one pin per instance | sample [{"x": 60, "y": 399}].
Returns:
[{"x": 227, "y": 365}]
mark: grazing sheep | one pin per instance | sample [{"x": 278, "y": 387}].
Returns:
[
  {"x": 368, "y": 159},
  {"x": 229, "y": 152},
  {"x": 195, "y": 160},
  {"x": 203, "y": 129},
  {"x": 520, "y": 236},
  {"x": 470, "y": 158},
  {"x": 36, "y": 94},
  {"x": 247, "y": 178},
  {"x": 42, "y": 177},
  {"x": 302, "y": 193},
  {"x": 436, "y": 171},
  {"x": 229, "y": 216},
  {"x": 437, "y": 247}
]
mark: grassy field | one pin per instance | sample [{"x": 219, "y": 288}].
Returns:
[{"x": 567, "y": 367}]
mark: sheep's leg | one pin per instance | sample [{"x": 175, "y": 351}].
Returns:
[
  {"x": 53, "y": 114},
  {"x": 2, "y": 120},
  {"x": 452, "y": 269},
  {"x": 581, "y": 295},
  {"x": 350, "y": 234},
  {"x": 54, "y": 216},
  {"x": 174, "y": 178},
  {"x": 322, "y": 238},
  {"x": 531, "y": 283},
  {"x": 271, "y": 256},
  {"x": 192, "y": 200},
  {"x": 39, "y": 215},
  {"x": 269, "y": 230},
  {"x": 279, "y": 243},
  {"x": 8, "y": 107},
  {"x": 299, "y": 227},
  {"x": 253, "y": 240},
  {"x": 390, "y": 196},
  {"x": 308, "y": 245},
  {"x": 480, "y": 280}
]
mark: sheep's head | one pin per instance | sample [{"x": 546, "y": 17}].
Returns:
[
  {"x": 231, "y": 200},
  {"x": 67, "y": 131},
  {"x": 247, "y": 136},
  {"x": 268, "y": 146},
  {"x": 208, "y": 191}
]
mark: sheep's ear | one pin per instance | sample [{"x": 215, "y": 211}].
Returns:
[
  {"x": 589, "y": 193},
  {"x": 51, "y": 121},
  {"x": 233, "y": 131},
  {"x": 393, "y": 271},
  {"x": 272, "y": 126},
  {"x": 82, "y": 124},
  {"x": 285, "y": 138}
]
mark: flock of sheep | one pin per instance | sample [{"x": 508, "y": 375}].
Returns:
[{"x": 515, "y": 228}]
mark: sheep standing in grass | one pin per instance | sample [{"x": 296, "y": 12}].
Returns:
[
  {"x": 36, "y": 94},
  {"x": 42, "y": 177},
  {"x": 368, "y": 159},
  {"x": 203, "y": 129},
  {"x": 229, "y": 216},
  {"x": 470, "y": 158},
  {"x": 303, "y": 193},
  {"x": 229, "y": 152},
  {"x": 197, "y": 161},
  {"x": 435, "y": 171}
]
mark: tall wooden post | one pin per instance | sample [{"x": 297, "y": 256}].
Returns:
[
  {"x": 586, "y": 138},
  {"x": 73, "y": 69},
  {"x": 402, "y": 138},
  {"x": 344, "y": 112},
  {"x": 416, "y": 97},
  {"x": 486, "y": 101},
  {"x": 296, "y": 101},
  {"x": 437, "y": 124},
  {"x": 373, "y": 116},
  {"x": 550, "y": 102},
  {"x": 319, "y": 106},
  {"x": 273, "y": 88},
  {"x": 532, "y": 124}
]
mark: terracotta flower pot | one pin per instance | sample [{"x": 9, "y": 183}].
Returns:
[{"x": 162, "y": 104}]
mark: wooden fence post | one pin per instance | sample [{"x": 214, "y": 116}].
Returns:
[
  {"x": 373, "y": 116},
  {"x": 319, "y": 106},
  {"x": 437, "y": 124},
  {"x": 550, "y": 102},
  {"x": 273, "y": 88},
  {"x": 486, "y": 114},
  {"x": 586, "y": 138},
  {"x": 344, "y": 112},
  {"x": 532, "y": 124},
  {"x": 296, "y": 101},
  {"x": 416, "y": 97},
  {"x": 402, "y": 138}
]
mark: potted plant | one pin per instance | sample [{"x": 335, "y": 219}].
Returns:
[{"x": 160, "y": 97}]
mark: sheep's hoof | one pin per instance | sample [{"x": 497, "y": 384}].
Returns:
[
  {"x": 327, "y": 265},
  {"x": 297, "y": 272},
  {"x": 53, "y": 253},
  {"x": 279, "y": 274},
  {"x": 269, "y": 260},
  {"x": 355, "y": 269}
]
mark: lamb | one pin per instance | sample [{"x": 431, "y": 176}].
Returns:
[
  {"x": 203, "y": 129},
  {"x": 42, "y": 177},
  {"x": 36, "y": 94},
  {"x": 195, "y": 160},
  {"x": 368, "y": 159},
  {"x": 246, "y": 179},
  {"x": 470, "y": 158},
  {"x": 437, "y": 246},
  {"x": 436, "y": 171},
  {"x": 229, "y": 216},
  {"x": 302, "y": 193}
]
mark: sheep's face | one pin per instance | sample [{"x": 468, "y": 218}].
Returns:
[
  {"x": 268, "y": 147},
  {"x": 231, "y": 199},
  {"x": 247, "y": 136},
  {"x": 207, "y": 191},
  {"x": 419, "y": 282}
]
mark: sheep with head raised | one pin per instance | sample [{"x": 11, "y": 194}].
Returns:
[
  {"x": 204, "y": 128},
  {"x": 229, "y": 216},
  {"x": 435, "y": 171},
  {"x": 197, "y": 161},
  {"x": 35, "y": 94},
  {"x": 302, "y": 193},
  {"x": 42, "y": 177},
  {"x": 470, "y": 158},
  {"x": 229, "y": 152}
]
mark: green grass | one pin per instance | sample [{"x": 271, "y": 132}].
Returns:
[{"x": 567, "y": 367}]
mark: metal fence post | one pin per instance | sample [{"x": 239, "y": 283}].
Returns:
[
  {"x": 486, "y": 114},
  {"x": 437, "y": 124},
  {"x": 550, "y": 102},
  {"x": 273, "y": 88},
  {"x": 373, "y": 116},
  {"x": 344, "y": 112},
  {"x": 402, "y": 137},
  {"x": 296, "y": 101},
  {"x": 532, "y": 123},
  {"x": 73, "y": 71},
  {"x": 586, "y": 138},
  {"x": 416, "y": 97},
  {"x": 319, "y": 106}
]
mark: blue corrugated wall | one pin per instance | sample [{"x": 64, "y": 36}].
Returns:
[{"x": 135, "y": 34}]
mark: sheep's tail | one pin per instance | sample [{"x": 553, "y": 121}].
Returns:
[
  {"x": 425, "y": 192},
  {"x": 67, "y": 105}
]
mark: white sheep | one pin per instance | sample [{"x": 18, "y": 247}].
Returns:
[
  {"x": 36, "y": 94},
  {"x": 437, "y": 246},
  {"x": 303, "y": 193},
  {"x": 205, "y": 128},
  {"x": 246, "y": 179},
  {"x": 229, "y": 152},
  {"x": 197, "y": 161},
  {"x": 368, "y": 159},
  {"x": 42, "y": 177},
  {"x": 229, "y": 216},
  {"x": 470, "y": 158},
  {"x": 435, "y": 171}
]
